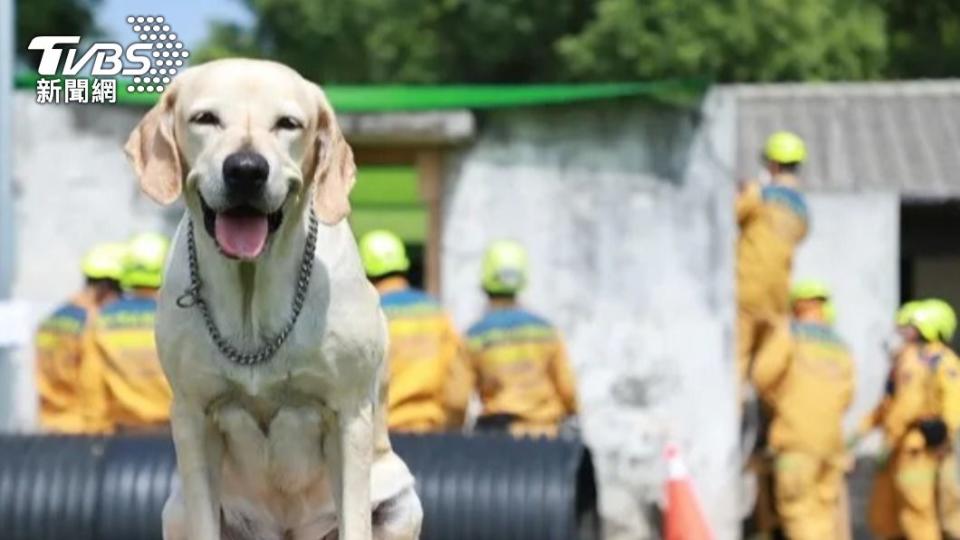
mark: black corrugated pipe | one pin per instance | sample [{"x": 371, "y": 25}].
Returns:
[
  {"x": 495, "y": 487},
  {"x": 49, "y": 487},
  {"x": 473, "y": 488}
]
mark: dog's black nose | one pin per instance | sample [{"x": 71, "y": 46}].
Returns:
[{"x": 245, "y": 173}]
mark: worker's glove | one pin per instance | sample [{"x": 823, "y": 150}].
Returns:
[{"x": 934, "y": 432}]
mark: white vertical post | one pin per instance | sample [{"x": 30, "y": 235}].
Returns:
[{"x": 7, "y": 248}]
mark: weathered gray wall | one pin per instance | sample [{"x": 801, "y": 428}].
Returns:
[
  {"x": 854, "y": 246},
  {"x": 626, "y": 210},
  {"x": 73, "y": 188}
]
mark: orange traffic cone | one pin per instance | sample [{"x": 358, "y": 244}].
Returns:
[{"x": 683, "y": 518}]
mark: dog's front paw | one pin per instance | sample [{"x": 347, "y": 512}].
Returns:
[{"x": 398, "y": 518}]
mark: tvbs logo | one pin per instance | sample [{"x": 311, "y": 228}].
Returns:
[
  {"x": 150, "y": 63},
  {"x": 108, "y": 58}
]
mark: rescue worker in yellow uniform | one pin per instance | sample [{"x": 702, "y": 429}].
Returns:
[
  {"x": 804, "y": 374},
  {"x": 921, "y": 420},
  {"x": 428, "y": 389},
  {"x": 523, "y": 375},
  {"x": 881, "y": 516},
  {"x": 948, "y": 476},
  {"x": 772, "y": 219},
  {"x": 906, "y": 336},
  {"x": 59, "y": 342},
  {"x": 136, "y": 394}
]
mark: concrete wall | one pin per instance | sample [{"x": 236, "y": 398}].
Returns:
[
  {"x": 626, "y": 210},
  {"x": 854, "y": 246},
  {"x": 73, "y": 189}
]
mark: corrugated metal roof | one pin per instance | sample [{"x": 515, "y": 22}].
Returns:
[{"x": 890, "y": 136}]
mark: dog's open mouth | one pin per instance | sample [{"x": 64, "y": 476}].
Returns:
[{"x": 240, "y": 232}]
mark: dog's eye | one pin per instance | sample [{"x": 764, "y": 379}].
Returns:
[
  {"x": 206, "y": 118},
  {"x": 287, "y": 122}
]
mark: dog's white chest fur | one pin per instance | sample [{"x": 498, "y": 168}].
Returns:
[
  {"x": 277, "y": 419},
  {"x": 276, "y": 467}
]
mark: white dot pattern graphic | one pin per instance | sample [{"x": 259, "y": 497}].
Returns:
[{"x": 167, "y": 52}]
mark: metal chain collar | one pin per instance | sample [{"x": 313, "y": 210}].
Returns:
[{"x": 192, "y": 297}]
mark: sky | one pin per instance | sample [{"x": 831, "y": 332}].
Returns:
[{"x": 188, "y": 18}]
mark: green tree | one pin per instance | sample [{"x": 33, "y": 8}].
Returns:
[
  {"x": 443, "y": 41},
  {"x": 336, "y": 40},
  {"x": 52, "y": 17},
  {"x": 406, "y": 41},
  {"x": 507, "y": 40},
  {"x": 924, "y": 38},
  {"x": 729, "y": 40}
]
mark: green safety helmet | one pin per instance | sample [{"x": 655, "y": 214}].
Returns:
[
  {"x": 785, "y": 148},
  {"x": 945, "y": 317},
  {"x": 809, "y": 289},
  {"x": 146, "y": 254},
  {"x": 382, "y": 253},
  {"x": 105, "y": 261},
  {"x": 504, "y": 267}
]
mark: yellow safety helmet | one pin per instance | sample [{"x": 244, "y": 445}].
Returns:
[
  {"x": 906, "y": 312},
  {"x": 945, "y": 317},
  {"x": 785, "y": 147},
  {"x": 504, "y": 267},
  {"x": 830, "y": 312},
  {"x": 927, "y": 320},
  {"x": 809, "y": 289},
  {"x": 382, "y": 252},
  {"x": 146, "y": 255},
  {"x": 105, "y": 261}
]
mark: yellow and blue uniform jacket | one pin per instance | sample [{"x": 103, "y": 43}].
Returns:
[
  {"x": 522, "y": 369},
  {"x": 428, "y": 385},
  {"x": 804, "y": 372},
  {"x": 926, "y": 385},
  {"x": 59, "y": 353},
  {"x": 773, "y": 220},
  {"x": 919, "y": 490},
  {"x": 135, "y": 393}
]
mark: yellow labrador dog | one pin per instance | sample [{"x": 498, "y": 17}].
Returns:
[{"x": 269, "y": 333}]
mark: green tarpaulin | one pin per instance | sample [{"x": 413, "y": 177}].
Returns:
[
  {"x": 388, "y": 197},
  {"x": 420, "y": 98}
]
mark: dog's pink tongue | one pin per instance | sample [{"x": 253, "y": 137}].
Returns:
[{"x": 242, "y": 237}]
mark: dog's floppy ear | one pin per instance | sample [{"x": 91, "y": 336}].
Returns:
[
  {"x": 334, "y": 171},
  {"x": 152, "y": 151}
]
